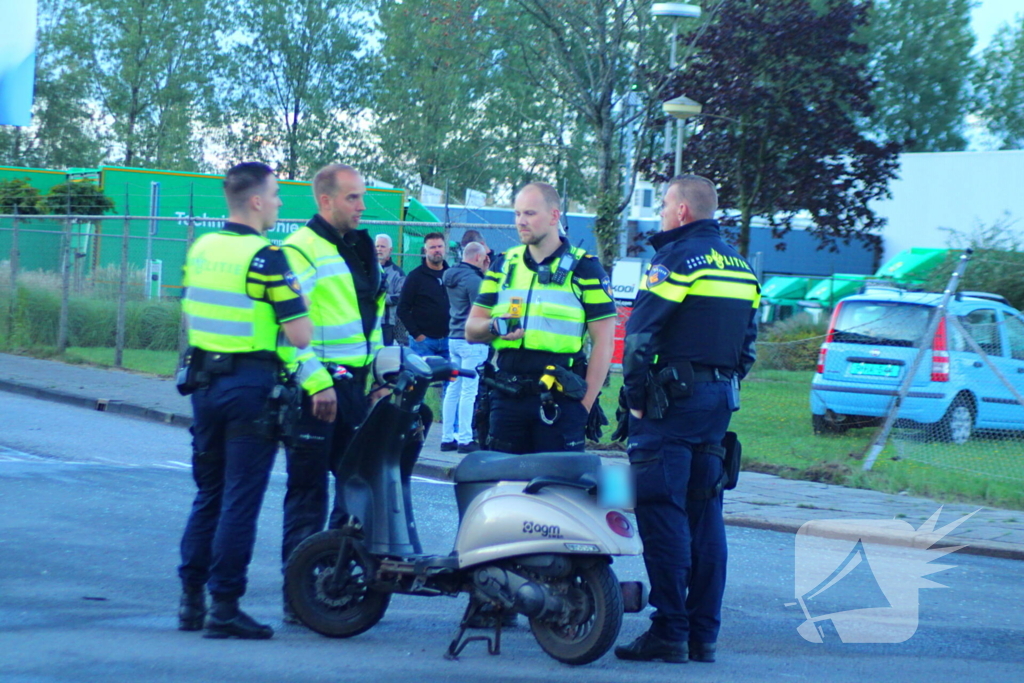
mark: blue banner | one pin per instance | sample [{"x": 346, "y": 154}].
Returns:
[{"x": 17, "y": 61}]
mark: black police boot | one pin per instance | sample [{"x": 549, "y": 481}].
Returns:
[
  {"x": 191, "y": 608},
  {"x": 702, "y": 652},
  {"x": 649, "y": 647},
  {"x": 225, "y": 620}
]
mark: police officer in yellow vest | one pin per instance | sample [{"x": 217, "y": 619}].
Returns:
[
  {"x": 240, "y": 293},
  {"x": 337, "y": 268},
  {"x": 535, "y": 305}
]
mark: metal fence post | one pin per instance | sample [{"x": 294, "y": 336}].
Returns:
[
  {"x": 65, "y": 286},
  {"x": 190, "y": 236},
  {"x": 12, "y": 304},
  {"x": 122, "y": 287}
]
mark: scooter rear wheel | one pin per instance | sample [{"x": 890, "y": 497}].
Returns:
[
  {"x": 595, "y": 616},
  {"x": 338, "y": 612}
]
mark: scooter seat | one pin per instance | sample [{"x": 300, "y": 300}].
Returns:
[{"x": 483, "y": 466}]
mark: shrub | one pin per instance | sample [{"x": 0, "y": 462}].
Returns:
[{"x": 791, "y": 344}]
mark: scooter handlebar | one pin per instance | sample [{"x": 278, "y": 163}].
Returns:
[{"x": 464, "y": 372}]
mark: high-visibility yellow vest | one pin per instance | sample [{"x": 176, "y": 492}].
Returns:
[
  {"x": 551, "y": 314},
  {"x": 221, "y": 316},
  {"x": 333, "y": 307}
]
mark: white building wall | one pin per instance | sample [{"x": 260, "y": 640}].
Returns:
[{"x": 957, "y": 190}]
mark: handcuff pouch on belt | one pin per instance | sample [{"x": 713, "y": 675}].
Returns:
[
  {"x": 730, "y": 451},
  {"x": 561, "y": 380},
  {"x": 198, "y": 367}
]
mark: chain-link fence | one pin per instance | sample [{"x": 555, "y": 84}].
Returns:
[
  {"x": 939, "y": 376},
  {"x": 116, "y": 282}
]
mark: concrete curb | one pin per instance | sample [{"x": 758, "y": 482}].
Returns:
[
  {"x": 984, "y": 548},
  {"x": 445, "y": 472},
  {"x": 99, "y": 404}
]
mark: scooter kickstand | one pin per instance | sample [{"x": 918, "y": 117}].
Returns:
[{"x": 459, "y": 643}]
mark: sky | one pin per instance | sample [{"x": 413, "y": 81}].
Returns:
[{"x": 990, "y": 14}]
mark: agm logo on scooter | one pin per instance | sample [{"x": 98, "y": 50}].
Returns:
[{"x": 545, "y": 530}]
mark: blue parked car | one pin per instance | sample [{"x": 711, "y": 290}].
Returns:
[{"x": 871, "y": 345}]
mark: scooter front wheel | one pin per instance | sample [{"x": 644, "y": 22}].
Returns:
[
  {"x": 594, "y": 617},
  {"x": 335, "y": 608}
]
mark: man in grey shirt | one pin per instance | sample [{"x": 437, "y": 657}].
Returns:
[
  {"x": 394, "y": 278},
  {"x": 462, "y": 282}
]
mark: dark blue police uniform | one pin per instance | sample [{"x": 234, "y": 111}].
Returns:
[
  {"x": 695, "y": 312},
  {"x": 233, "y": 452}
]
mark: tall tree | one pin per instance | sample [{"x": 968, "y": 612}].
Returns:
[
  {"x": 65, "y": 128},
  {"x": 783, "y": 86},
  {"x": 153, "y": 64},
  {"x": 586, "y": 55},
  {"x": 298, "y": 77},
  {"x": 435, "y": 87},
  {"x": 920, "y": 52},
  {"x": 1000, "y": 85}
]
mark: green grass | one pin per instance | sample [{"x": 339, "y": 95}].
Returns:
[
  {"x": 163, "y": 363},
  {"x": 774, "y": 424}
]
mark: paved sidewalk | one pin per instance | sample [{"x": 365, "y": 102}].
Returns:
[{"x": 760, "y": 501}]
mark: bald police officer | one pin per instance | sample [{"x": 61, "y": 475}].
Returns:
[{"x": 689, "y": 341}]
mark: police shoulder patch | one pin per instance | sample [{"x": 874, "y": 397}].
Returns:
[
  {"x": 606, "y": 284},
  {"x": 292, "y": 282},
  {"x": 657, "y": 274}
]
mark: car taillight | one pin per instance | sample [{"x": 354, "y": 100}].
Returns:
[
  {"x": 820, "y": 369},
  {"x": 940, "y": 354},
  {"x": 821, "y": 358}
]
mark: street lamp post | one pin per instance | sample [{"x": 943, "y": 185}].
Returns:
[
  {"x": 681, "y": 108},
  {"x": 676, "y": 10}
]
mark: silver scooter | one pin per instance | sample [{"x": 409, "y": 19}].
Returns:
[{"x": 532, "y": 537}]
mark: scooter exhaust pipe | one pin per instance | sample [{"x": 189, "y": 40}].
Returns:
[
  {"x": 518, "y": 593},
  {"x": 536, "y": 602}
]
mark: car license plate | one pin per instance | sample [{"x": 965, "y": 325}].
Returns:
[{"x": 874, "y": 369}]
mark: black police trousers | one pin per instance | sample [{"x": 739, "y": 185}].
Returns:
[
  {"x": 317, "y": 450},
  {"x": 516, "y": 425},
  {"x": 683, "y": 535},
  {"x": 231, "y": 461}
]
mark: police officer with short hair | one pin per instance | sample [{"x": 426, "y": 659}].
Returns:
[
  {"x": 239, "y": 294},
  {"x": 689, "y": 341},
  {"x": 535, "y": 305},
  {"x": 336, "y": 265}
]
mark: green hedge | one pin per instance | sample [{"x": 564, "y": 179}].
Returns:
[{"x": 35, "y": 318}]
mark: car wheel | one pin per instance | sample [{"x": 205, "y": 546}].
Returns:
[
  {"x": 957, "y": 425},
  {"x": 822, "y": 424}
]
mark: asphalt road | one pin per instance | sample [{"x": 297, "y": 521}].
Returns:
[{"x": 91, "y": 511}]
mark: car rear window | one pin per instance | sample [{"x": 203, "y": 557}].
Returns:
[{"x": 881, "y": 323}]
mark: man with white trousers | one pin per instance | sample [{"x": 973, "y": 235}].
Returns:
[{"x": 462, "y": 282}]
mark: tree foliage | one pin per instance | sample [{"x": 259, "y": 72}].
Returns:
[
  {"x": 1001, "y": 85},
  {"x": 586, "y": 55},
  {"x": 77, "y": 198},
  {"x": 783, "y": 86},
  {"x": 921, "y": 61},
  {"x": 152, "y": 65},
  {"x": 64, "y": 130},
  {"x": 17, "y": 196},
  {"x": 296, "y": 78}
]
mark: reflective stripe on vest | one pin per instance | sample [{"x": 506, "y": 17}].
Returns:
[
  {"x": 326, "y": 280},
  {"x": 552, "y": 315},
  {"x": 220, "y": 315}
]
